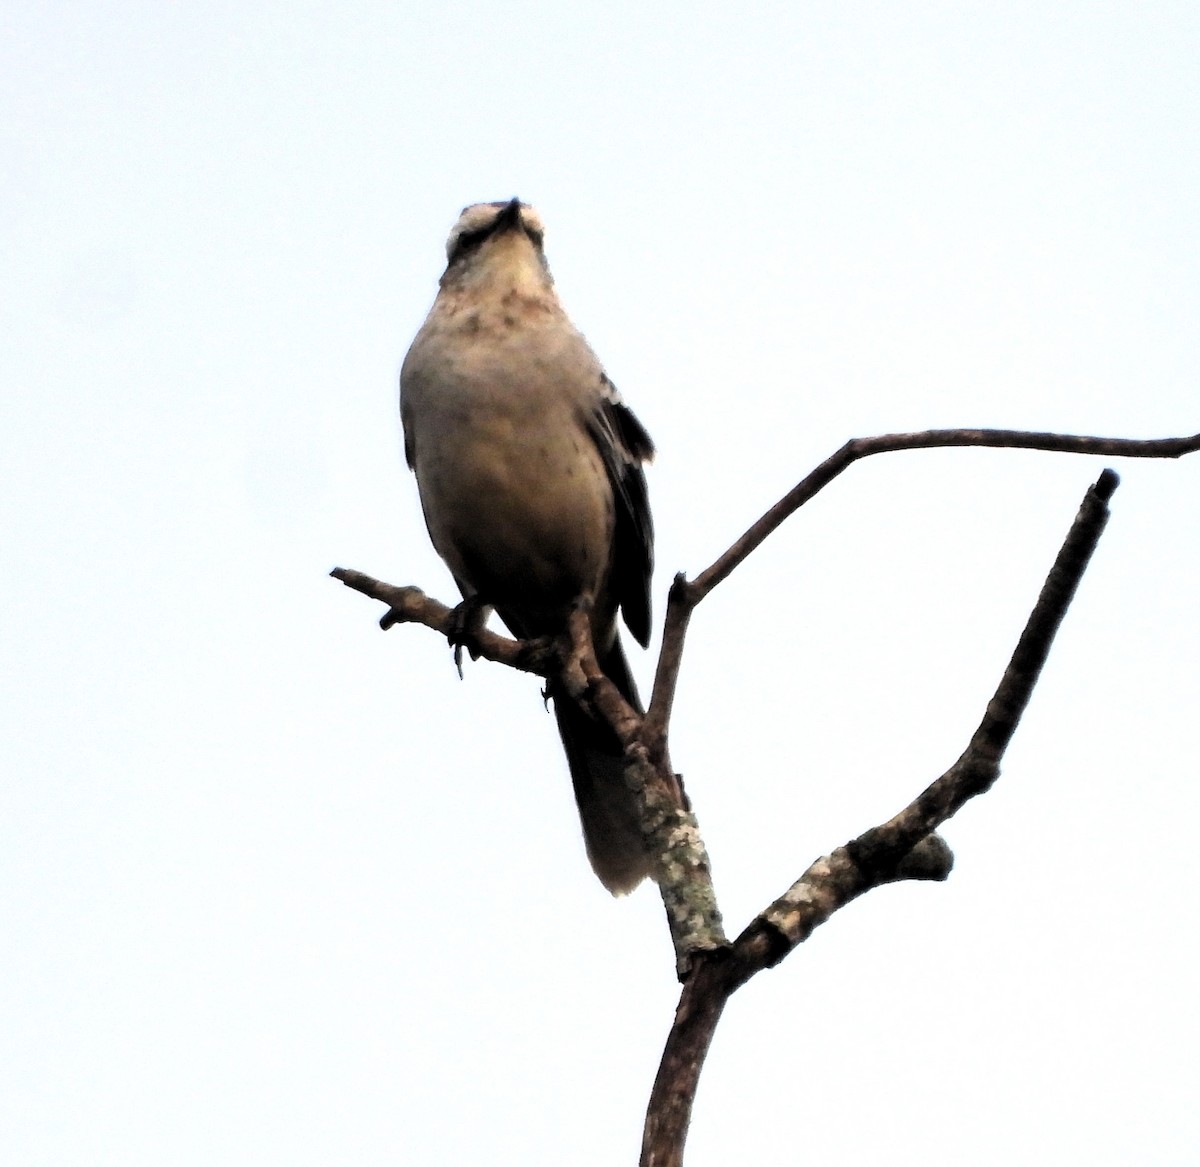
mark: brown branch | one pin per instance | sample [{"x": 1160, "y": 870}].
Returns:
[
  {"x": 905, "y": 847},
  {"x": 669, "y": 828},
  {"x": 670, "y": 659},
  {"x": 672, "y": 834},
  {"x": 409, "y": 605},
  {"x": 876, "y": 857},
  {"x": 685, "y": 594}
]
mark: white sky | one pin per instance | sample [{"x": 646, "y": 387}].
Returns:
[{"x": 277, "y": 889}]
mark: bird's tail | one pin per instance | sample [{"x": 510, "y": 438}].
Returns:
[{"x": 606, "y": 805}]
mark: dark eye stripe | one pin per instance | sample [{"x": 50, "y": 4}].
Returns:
[{"x": 469, "y": 241}]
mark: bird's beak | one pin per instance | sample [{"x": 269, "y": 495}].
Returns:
[{"x": 509, "y": 217}]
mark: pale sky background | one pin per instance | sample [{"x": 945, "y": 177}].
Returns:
[{"x": 277, "y": 890}]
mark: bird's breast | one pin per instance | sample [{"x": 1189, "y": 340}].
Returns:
[{"x": 515, "y": 493}]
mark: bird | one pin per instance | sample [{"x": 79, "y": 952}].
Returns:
[{"x": 529, "y": 468}]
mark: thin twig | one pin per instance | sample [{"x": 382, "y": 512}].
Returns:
[
  {"x": 409, "y": 605},
  {"x": 685, "y": 594},
  {"x": 858, "y": 448},
  {"x": 670, "y": 658}
]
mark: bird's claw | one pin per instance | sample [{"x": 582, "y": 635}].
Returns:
[{"x": 466, "y": 622}]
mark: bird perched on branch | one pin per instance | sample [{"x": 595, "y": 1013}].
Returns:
[{"x": 529, "y": 468}]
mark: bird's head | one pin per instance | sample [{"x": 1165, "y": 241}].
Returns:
[{"x": 494, "y": 240}]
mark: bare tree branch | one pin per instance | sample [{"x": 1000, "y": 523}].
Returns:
[
  {"x": 669, "y": 828},
  {"x": 858, "y": 448},
  {"x": 409, "y": 605},
  {"x": 685, "y": 594},
  {"x": 905, "y": 847},
  {"x": 681, "y": 865},
  {"x": 876, "y": 857}
]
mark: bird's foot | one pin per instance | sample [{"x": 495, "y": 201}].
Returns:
[{"x": 466, "y": 622}]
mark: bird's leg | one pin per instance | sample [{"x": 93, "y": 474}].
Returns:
[
  {"x": 580, "y": 661},
  {"x": 466, "y": 622}
]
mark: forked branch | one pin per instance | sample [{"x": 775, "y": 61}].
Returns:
[
  {"x": 670, "y": 830},
  {"x": 904, "y": 847},
  {"x": 876, "y": 857}
]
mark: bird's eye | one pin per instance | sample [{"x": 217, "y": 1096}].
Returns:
[{"x": 467, "y": 242}]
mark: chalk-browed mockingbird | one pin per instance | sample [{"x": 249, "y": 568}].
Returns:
[{"x": 530, "y": 476}]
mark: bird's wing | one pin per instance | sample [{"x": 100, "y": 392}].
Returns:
[{"x": 624, "y": 445}]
